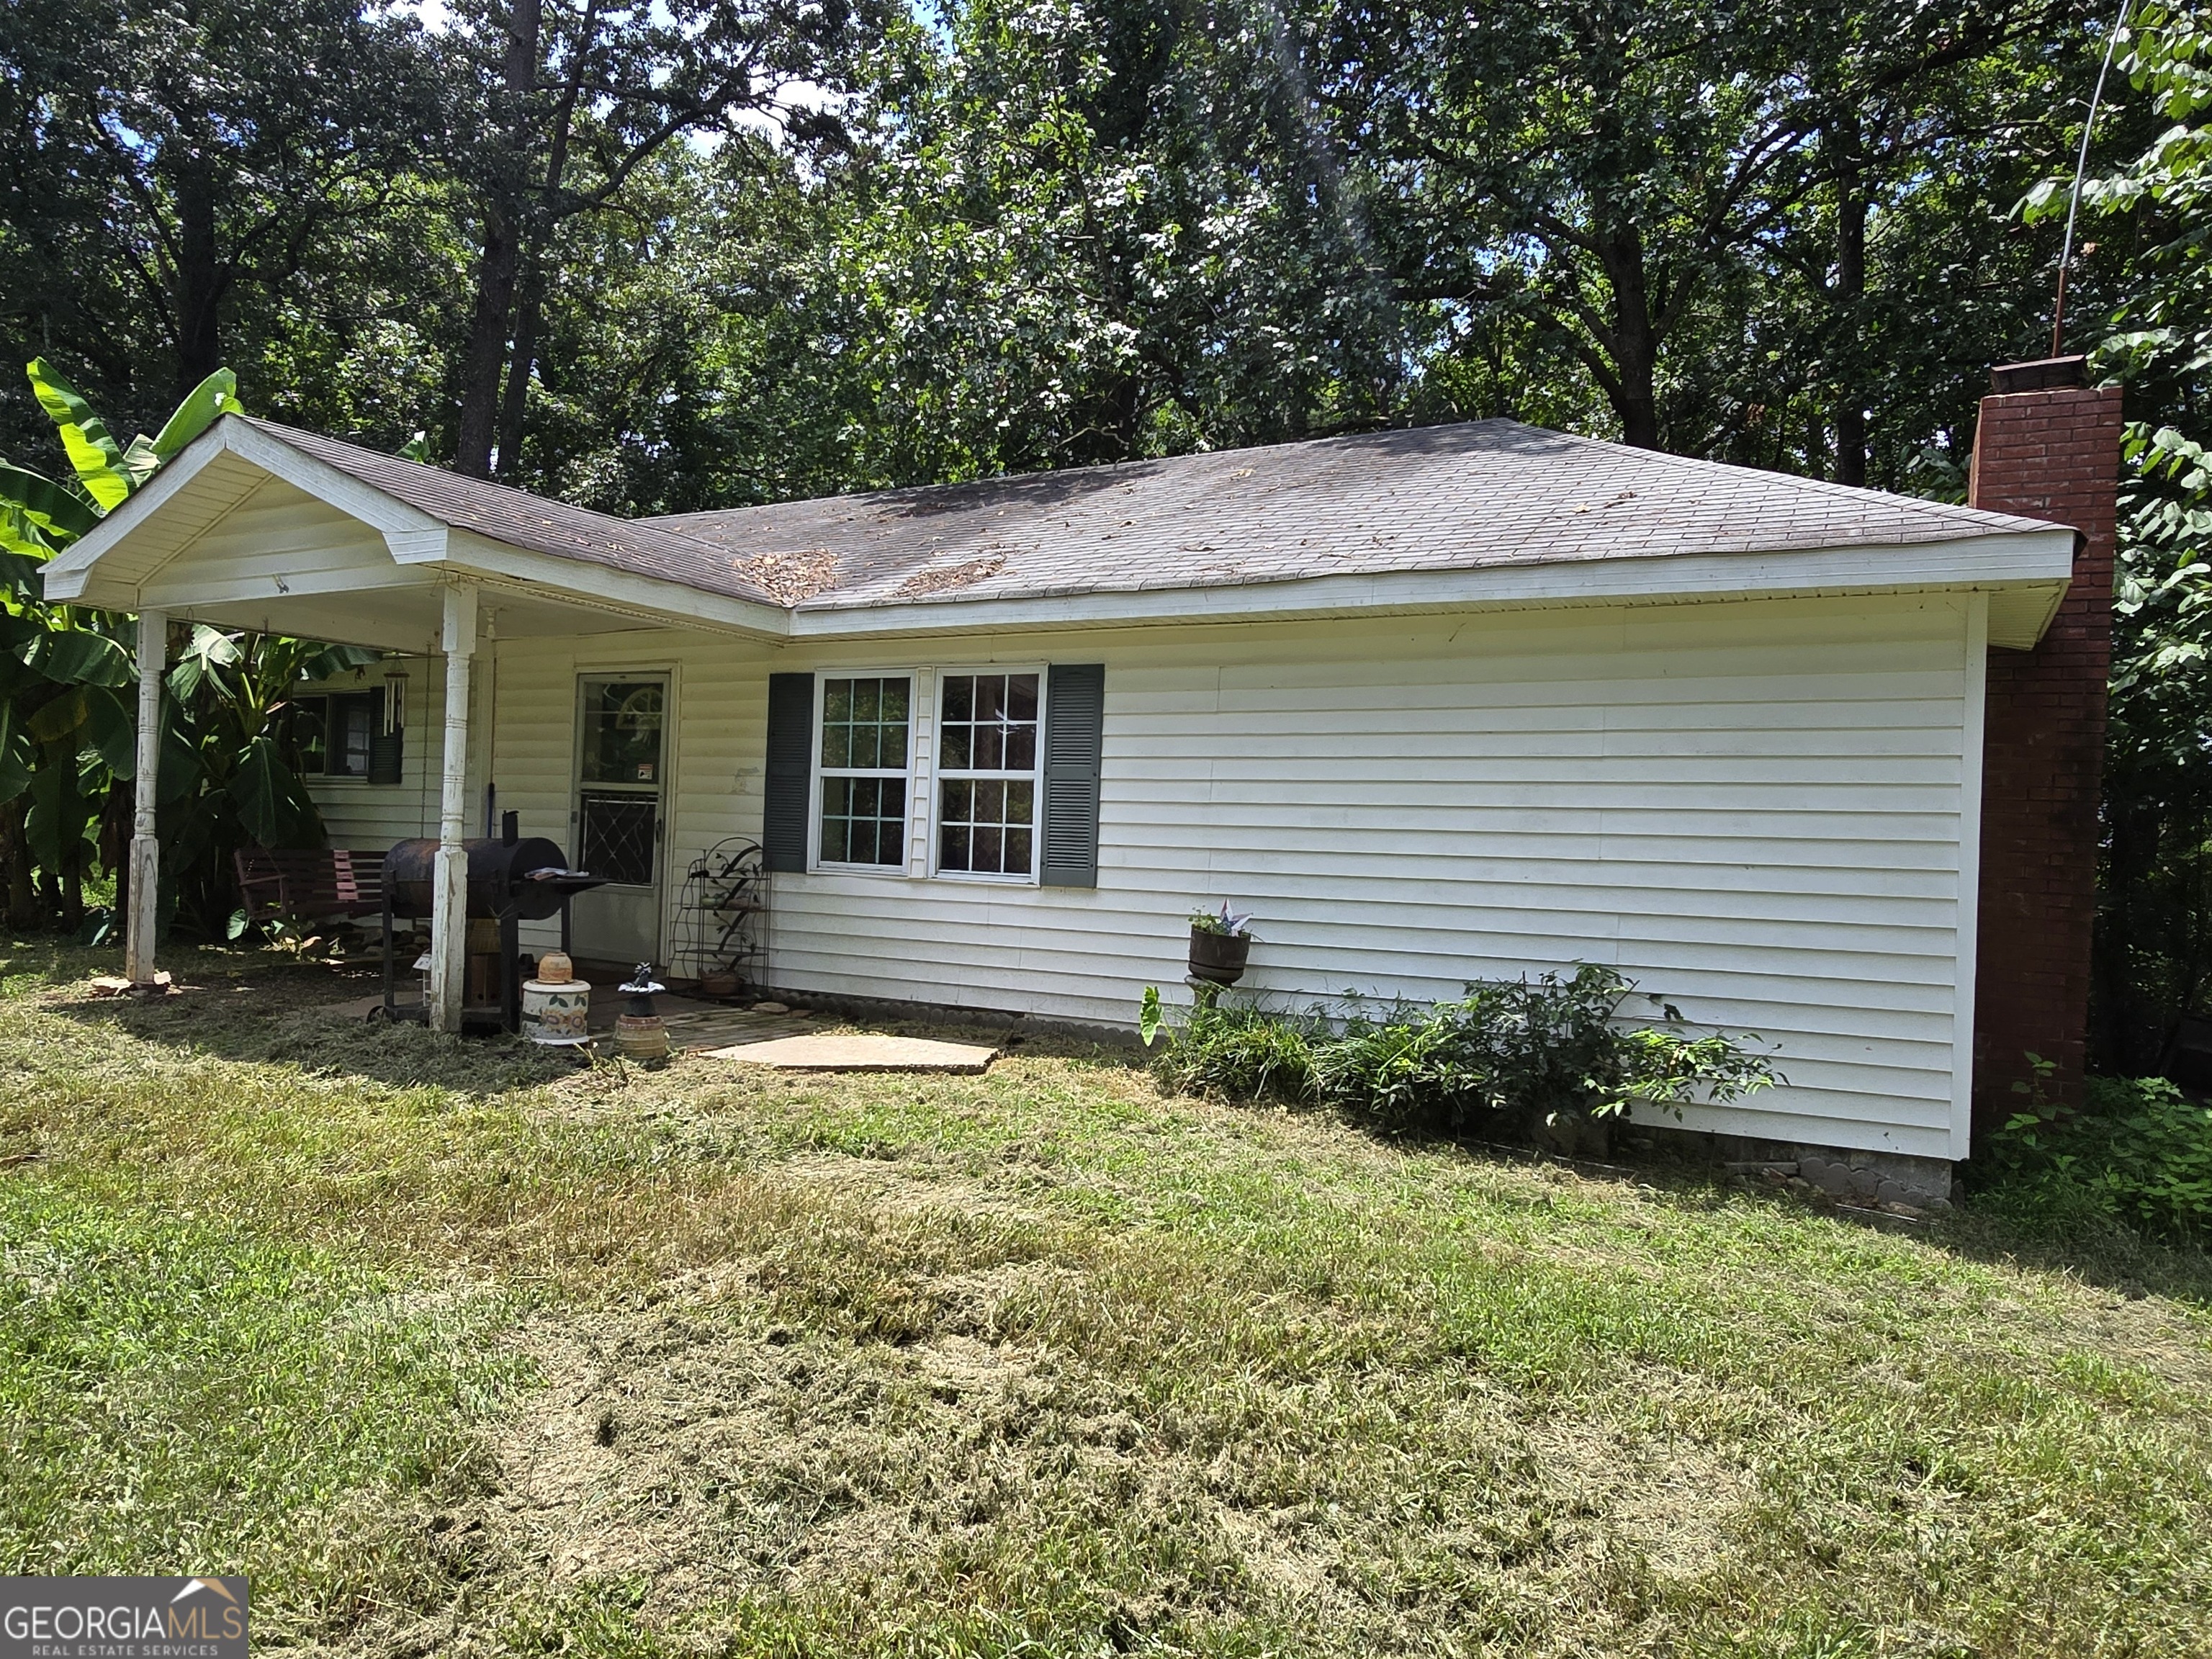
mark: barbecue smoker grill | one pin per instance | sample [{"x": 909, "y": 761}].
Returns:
[{"x": 511, "y": 880}]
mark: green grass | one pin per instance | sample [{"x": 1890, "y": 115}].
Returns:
[{"x": 455, "y": 1352}]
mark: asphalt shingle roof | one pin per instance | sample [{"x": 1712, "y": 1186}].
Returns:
[
  {"x": 521, "y": 520},
  {"x": 1429, "y": 498},
  {"x": 1482, "y": 493}
]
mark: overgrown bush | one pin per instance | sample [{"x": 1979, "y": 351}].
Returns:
[
  {"x": 1511, "y": 1052},
  {"x": 2137, "y": 1151}
]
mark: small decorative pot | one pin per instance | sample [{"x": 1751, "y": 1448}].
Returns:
[
  {"x": 1218, "y": 957},
  {"x": 556, "y": 1012}
]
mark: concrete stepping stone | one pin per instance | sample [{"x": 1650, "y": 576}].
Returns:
[{"x": 859, "y": 1051}]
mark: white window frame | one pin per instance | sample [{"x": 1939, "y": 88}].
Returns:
[
  {"x": 912, "y": 774},
  {"x": 940, "y": 774}
]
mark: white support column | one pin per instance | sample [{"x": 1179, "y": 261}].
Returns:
[
  {"x": 145, "y": 844},
  {"x": 449, "y": 923}
]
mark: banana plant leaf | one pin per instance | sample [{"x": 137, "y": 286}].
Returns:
[
  {"x": 337, "y": 660},
  {"x": 112, "y": 729},
  {"x": 217, "y": 395},
  {"x": 60, "y": 815},
  {"x": 14, "y": 755},
  {"x": 140, "y": 463},
  {"x": 59, "y": 717},
  {"x": 96, "y": 455},
  {"x": 267, "y": 797},
  {"x": 76, "y": 656},
  {"x": 19, "y": 537},
  {"x": 53, "y": 507},
  {"x": 181, "y": 769},
  {"x": 22, "y": 573}
]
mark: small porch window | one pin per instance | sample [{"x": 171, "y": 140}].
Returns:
[
  {"x": 866, "y": 732},
  {"x": 338, "y": 736}
]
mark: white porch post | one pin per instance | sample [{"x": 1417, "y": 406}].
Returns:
[
  {"x": 145, "y": 845},
  {"x": 449, "y": 924}
]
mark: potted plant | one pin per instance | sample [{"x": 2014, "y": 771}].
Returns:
[{"x": 1220, "y": 941}]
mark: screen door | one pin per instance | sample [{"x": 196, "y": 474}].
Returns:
[{"x": 621, "y": 786}]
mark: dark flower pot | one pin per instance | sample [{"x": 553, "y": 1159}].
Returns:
[{"x": 1218, "y": 957}]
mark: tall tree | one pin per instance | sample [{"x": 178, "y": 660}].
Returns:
[
  {"x": 2152, "y": 206},
  {"x": 205, "y": 146},
  {"x": 1695, "y": 203},
  {"x": 568, "y": 100},
  {"x": 1589, "y": 164}
]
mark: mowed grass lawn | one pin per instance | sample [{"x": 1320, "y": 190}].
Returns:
[{"x": 454, "y": 1352}]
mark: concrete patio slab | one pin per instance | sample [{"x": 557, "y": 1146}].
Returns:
[{"x": 859, "y": 1051}]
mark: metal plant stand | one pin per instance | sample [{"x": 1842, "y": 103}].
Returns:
[{"x": 723, "y": 913}]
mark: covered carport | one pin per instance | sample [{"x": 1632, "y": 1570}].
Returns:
[{"x": 261, "y": 527}]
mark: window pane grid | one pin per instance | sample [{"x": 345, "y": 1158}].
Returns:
[
  {"x": 865, "y": 744},
  {"x": 986, "y": 788}
]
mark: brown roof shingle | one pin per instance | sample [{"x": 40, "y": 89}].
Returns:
[
  {"x": 1428, "y": 498},
  {"x": 1481, "y": 493}
]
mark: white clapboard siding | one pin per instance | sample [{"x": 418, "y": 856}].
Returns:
[{"x": 1755, "y": 810}]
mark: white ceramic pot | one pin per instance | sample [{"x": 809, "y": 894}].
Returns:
[{"x": 556, "y": 1012}]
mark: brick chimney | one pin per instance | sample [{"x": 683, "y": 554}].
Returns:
[{"x": 2046, "y": 446}]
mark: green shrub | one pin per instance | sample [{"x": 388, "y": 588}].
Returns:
[
  {"x": 1533, "y": 1050},
  {"x": 2138, "y": 1150},
  {"x": 1235, "y": 1051}
]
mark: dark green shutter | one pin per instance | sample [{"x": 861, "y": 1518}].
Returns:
[
  {"x": 384, "y": 747},
  {"x": 1074, "y": 734},
  {"x": 790, "y": 760}
]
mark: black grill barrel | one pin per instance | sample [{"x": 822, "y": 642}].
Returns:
[{"x": 499, "y": 871}]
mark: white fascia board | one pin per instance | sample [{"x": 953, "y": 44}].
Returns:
[
  {"x": 1978, "y": 563},
  {"x": 602, "y": 588},
  {"x": 319, "y": 478},
  {"x": 71, "y": 573}
]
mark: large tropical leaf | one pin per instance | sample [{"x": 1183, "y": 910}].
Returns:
[
  {"x": 261, "y": 788},
  {"x": 322, "y": 662},
  {"x": 181, "y": 769},
  {"x": 216, "y": 395},
  {"x": 59, "y": 718},
  {"x": 76, "y": 656},
  {"x": 96, "y": 455},
  {"x": 140, "y": 463},
  {"x": 57, "y": 510},
  {"x": 59, "y": 814},
  {"x": 16, "y": 756},
  {"x": 206, "y": 649},
  {"x": 111, "y": 728},
  {"x": 23, "y": 555},
  {"x": 19, "y": 537}
]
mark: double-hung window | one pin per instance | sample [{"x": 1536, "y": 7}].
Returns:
[
  {"x": 867, "y": 730},
  {"x": 986, "y": 775}
]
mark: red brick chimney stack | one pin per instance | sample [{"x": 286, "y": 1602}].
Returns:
[{"x": 2046, "y": 446}]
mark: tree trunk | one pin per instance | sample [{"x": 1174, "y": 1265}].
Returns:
[
  {"x": 492, "y": 316},
  {"x": 514, "y": 406},
  {"x": 485, "y": 353},
  {"x": 1634, "y": 347},
  {"x": 1849, "y": 295},
  {"x": 22, "y": 896},
  {"x": 117, "y": 820},
  {"x": 200, "y": 281}
]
